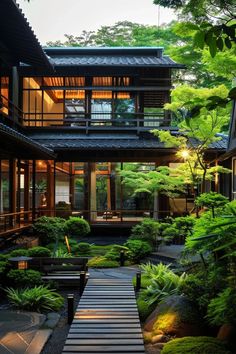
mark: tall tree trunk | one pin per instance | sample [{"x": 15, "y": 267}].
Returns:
[{"x": 156, "y": 206}]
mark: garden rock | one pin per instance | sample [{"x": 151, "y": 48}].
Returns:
[
  {"x": 160, "y": 338},
  {"x": 53, "y": 316},
  {"x": 175, "y": 316},
  {"x": 52, "y": 320},
  {"x": 227, "y": 333}
]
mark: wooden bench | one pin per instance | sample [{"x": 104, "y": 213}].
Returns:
[{"x": 65, "y": 271}]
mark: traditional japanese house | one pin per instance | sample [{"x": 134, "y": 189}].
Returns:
[{"x": 71, "y": 119}]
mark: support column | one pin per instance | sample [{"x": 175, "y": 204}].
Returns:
[
  {"x": 50, "y": 188},
  {"x": 216, "y": 178},
  {"x": 87, "y": 184},
  {"x": 26, "y": 189},
  {"x": 113, "y": 186},
  {"x": 93, "y": 193},
  {"x": 72, "y": 187},
  {"x": 13, "y": 189},
  {"x": 33, "y": 190}
]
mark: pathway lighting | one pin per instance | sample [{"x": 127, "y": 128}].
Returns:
[{"x": 20, "y": 262}]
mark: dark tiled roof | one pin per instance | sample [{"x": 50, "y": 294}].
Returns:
[
  {"x": 112, "y": 60},
  {"x": 110, "y": 56},
  {"x": 108, "y": 141},
  {"x": 18, "y": 37},
  {"x": 219, "y": 145},
  {"x": 19, "y": 137}
]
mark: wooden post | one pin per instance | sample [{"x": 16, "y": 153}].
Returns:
[
  {"x": 26, "y": 190},
  {"x": 122, "y": 258},
  {"x": 50, "y": 188},
  {"x": 70, "y": 308},
  {"x": 33, "y": 190},
  {"x": 138, "y": 281},
  {"x": 13, "y": 189},
  {"x": 82, "y": 282}
]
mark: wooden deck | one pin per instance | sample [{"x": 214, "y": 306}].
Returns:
[{"x": 106, "y": 320}]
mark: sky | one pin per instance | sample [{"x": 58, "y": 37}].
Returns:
[{"x": 51, "y": 19}]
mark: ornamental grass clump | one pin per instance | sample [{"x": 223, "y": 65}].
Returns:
[
  {"x": 39, "y": 299},
  {"x": 164, "y": 282}
]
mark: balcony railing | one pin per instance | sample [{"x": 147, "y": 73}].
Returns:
[
  {"x": 98, "y": 120},
  {"x": 10, "y": 112},
  {"x": 12, "y": 222}
]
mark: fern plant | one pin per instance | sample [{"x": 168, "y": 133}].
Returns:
[
  {"x": 164, "y": 282},
  {"x": 39, "y": 299},
  {"x": 222, "y": 309}
]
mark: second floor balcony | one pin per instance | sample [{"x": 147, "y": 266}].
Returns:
[{"x": 91, "y": 103}]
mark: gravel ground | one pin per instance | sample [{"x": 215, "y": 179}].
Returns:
[{"x": 57, "y": 340}]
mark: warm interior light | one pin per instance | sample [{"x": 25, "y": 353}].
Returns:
[
  {"x": 22, "y": 265},
  {"x": 184, "y": 153}
]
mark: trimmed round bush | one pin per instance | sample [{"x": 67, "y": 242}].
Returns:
[
  {"x": 39, "y": 251},
  {"x": 77, "y": 226},
  {"x": 195, "y": 345},
  {"x": 24, "y": 278},
  {"x": 84, "y": 247},
  {"x": 138, "y": 250},
  {"x": 19, "y": 252},
  {"x": 49, "y": 229}
]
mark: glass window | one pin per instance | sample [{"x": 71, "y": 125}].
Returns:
[
  {"x": 74, "y": 107},
  {"x": 101, "y": 106}
]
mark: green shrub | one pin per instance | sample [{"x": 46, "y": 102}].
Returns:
[
  {"x": 84, "y": 247},
  {"x": 77, "y": 226},
  {"x": 138, "y": 250},
  {"x": 195, "y": 345},
  {"x": 3, "y": 271},
  {"x": 19, "y": 252},
  {"x": 164, "y": 282},
  {"x": 53, "y": 245},
  {"x": 39, "y": 252},
  {"x": 63, "y": 210},
  {"x": 222, "y": 309},
  {"x": 50, "y": 229},
  {"x": 24, "y": 278},
  {"x": 114, "y": 253},
  {"x": 211, "y": 200},
  {"x": 74, "y": 245},
  {"x": 184, "y": 224},
  {"x": 102, "y": 262},
  {"x": 61, "y": 252},
  {"x": 170, "y": 233},
  {"x": 39, "y": 299},
  {"x": 61, "y": 205},
  {"x": 4, "y": 256},
  {"x": 144, "y": 308},
  {"x": 147, "y": 230}
]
